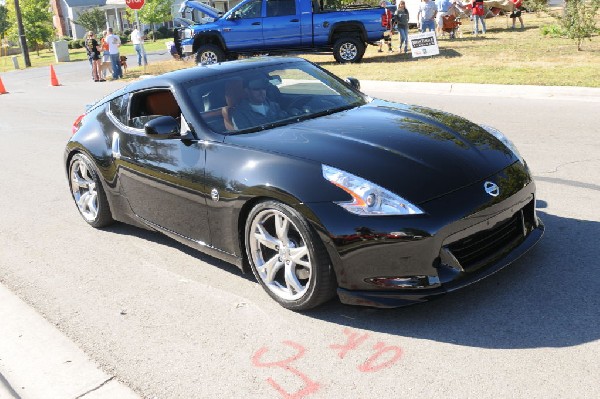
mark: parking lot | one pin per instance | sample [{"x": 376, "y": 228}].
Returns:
[{"x": 170, "y": 322}]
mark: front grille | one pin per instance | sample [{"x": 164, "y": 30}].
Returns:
[{"x": 482, "y": 247}]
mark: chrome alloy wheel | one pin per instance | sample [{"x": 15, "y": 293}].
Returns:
[
  {"x": 83, "y": 188},
  {"x": 348, "y": 51},
  {"x": 280, "y": 254},
  {"x": 208, "y": 57}
]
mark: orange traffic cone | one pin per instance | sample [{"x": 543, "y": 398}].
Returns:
[
  {"x": 53, "y": 79},
  {"x": 2, "y": 89}
]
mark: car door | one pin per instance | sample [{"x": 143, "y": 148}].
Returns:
[
  {"x": 243, "y": 28},
  {"x": 162, "y": 179},
  {"x": 281, "y": 25}
]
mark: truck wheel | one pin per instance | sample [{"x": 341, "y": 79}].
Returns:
[
  {"x": 348, "y": 49},
  {"x": 209, "y": 54}
]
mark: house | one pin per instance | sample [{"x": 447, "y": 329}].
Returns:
[{"x": 66, "y": 13}]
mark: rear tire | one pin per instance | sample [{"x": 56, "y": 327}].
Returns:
[
  {"x": 348, "y": 49},
  {"x": 287, "y": 257},
  {"x": 209, "y": 54},
  {"x": 88, "y": 193}
]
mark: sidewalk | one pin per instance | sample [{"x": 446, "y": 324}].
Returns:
[
  {"x": 38, "y": 361},
  {"x": 588, "y": 94}
]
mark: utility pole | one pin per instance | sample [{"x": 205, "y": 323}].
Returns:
[{"x": 22, "y": 39}]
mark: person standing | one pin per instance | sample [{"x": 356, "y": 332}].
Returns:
[
  {"x": 442, "y": 10},
  {"x": 426, "y": 15},
  {"x": 93, "y": 49},
  {"x": 402, "y": 18},
  {"x": 114, "y": 42},
  {"x": 138, "y": 39},
  {"x": 386, "y": 22},
  {"x": 106, "y": 65},
  {"x": 478, "y": 15},
  {"x": 516, "y": 13}
]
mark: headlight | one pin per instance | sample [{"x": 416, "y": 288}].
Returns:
[
  {"x": 188, "y": 33},
  {"x": 500, "y": 136},
  {"x": 368, "y": 199}
]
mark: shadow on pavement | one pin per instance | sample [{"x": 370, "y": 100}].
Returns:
[{"x": 548, "y": 298}]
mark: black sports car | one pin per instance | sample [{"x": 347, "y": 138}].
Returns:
[{"x": 317, "y": 189}]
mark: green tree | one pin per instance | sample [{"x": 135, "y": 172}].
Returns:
[
  {"x": 37, "y": 22},
  {"x": 4, "y": 23},
  {"x": 579, "y": 20},
  {"x": 153, "y": 12},
  {"x": 92, "y": 19}
]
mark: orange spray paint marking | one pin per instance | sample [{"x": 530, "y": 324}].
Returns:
[
  {"x": 310, "y": 386},
  {"x": 370, "y": 364},
  {"x": 352, "y": 342}
]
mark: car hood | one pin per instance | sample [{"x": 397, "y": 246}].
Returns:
[
  {"x": 204, "y": 8},
  {"x": 416, "y": 152}
]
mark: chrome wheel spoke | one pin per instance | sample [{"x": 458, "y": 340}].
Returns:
[
  {"x": 294, "y": 286},
  {"x": 296, "y": 255},
  {"x": 264, "y": 238},
  {"x": 269, "y": 269},
  {"x": 282, "y": 227},
  {"x": 93, "y": 203},
  {"x": 83, "y": 201}
]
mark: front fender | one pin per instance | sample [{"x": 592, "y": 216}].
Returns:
[{"x": 208, "y": 37}]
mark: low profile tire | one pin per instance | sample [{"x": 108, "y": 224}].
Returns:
[
  {"x": 88, "y": 193},
  {"x": 348, "y": 50},
  {"x": 287, "y": 258},
  {"x": 209, "y": 54}
]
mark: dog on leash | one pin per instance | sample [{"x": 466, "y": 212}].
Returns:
[{"x": 123, "y": 61}]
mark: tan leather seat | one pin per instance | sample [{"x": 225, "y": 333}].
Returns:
[
  {"x": 234, "y": 93},
  {"x": 162, "y": 103}
]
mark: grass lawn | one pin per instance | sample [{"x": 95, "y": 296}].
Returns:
[
  {"x": 46, "y": 57},
  {"x": 502, "y": 56}
]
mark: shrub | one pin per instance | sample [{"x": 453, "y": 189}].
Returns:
[
  {"x": 155, "y": 35},
  {"x": 552, "y": 30}
]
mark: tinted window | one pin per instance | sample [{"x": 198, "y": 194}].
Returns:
[
  {"x": 265, "y": 97},
  {"x": 276, "y": 8},
  {"x": 118, "y": 107},
  {"x": 251, "y": 9}
]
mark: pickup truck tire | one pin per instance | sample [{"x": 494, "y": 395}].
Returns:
[
  {"x": 209, "y": 54},
  {"x": 348, "y": 49}
]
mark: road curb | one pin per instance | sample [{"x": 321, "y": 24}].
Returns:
[{"x": 38, "y": 361}]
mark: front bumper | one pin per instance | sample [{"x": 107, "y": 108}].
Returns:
[
  {"x": 463, "y": 237},
  {"x": 392, "y": 299}
]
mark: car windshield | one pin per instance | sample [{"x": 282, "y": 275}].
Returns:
[{"x": 260, "y": 98}]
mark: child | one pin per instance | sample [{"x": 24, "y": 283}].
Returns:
[
  {"x": 386, "y": 22},
  {"x": 478, "y": 15}
]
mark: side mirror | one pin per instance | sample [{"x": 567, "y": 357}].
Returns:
[
  {"x": 233, "y": 16},
  {"x": 161, "y": 128},
  {"x": 353, "y": 82}
]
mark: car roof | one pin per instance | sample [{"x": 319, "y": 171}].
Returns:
[{"x": 176, "y": 78}]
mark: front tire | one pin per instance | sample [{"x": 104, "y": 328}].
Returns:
[
  {"x": 209, "y": 54},
  {"x": 348, "y": 49},
  {"x": 287, "y": 257},
  {"x": 88, "y": 193}
]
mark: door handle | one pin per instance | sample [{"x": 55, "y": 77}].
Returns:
[
  {"x": 294, "y": 20},
  {"x": 255, "y": 23}
]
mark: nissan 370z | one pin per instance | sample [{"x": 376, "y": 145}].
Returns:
[{"x": 281, "y": 168}]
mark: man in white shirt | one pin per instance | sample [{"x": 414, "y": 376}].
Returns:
[
  {"x": 114, "y": 42},
  {"x": 137, "y": 39}
]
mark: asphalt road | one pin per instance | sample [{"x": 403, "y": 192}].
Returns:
[{"x": 170, "y": 322}]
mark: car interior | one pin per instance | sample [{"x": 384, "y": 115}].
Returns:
[{"x": 146, "y": 106}]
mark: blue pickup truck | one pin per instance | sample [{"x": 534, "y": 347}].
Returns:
[{"x": 275, "y": 26}]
